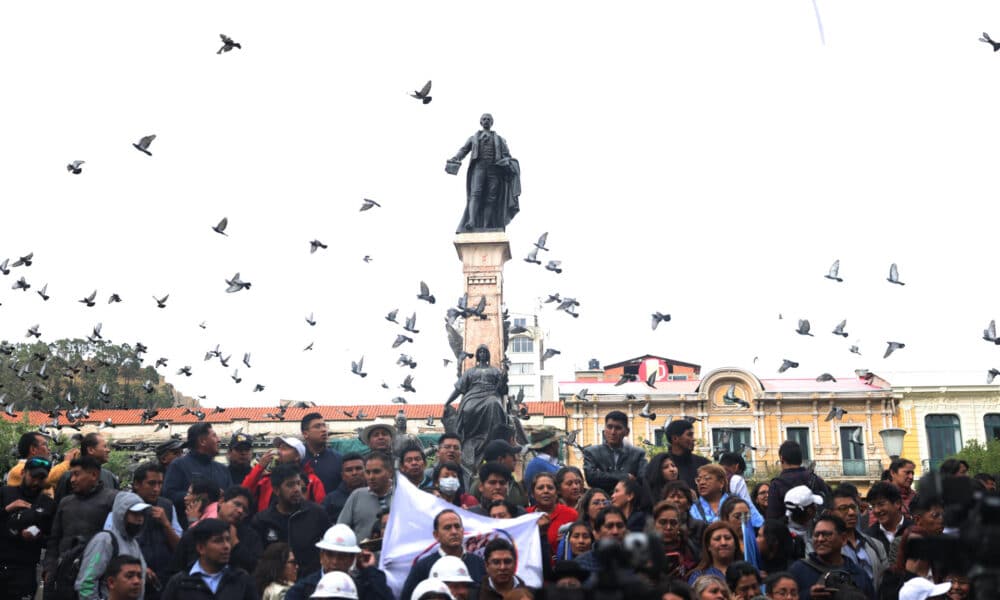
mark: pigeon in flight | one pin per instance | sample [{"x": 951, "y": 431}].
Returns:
[
  {"x": 309, "y": 347},
  {"x": 554, "y": 266},
  {"x": 227, "y": 44},
  {"x": 221, "y": 227},
  {"x": 236, "y": 376},
  {"x": 856, "y": 437},
  {"x": 892, "y": 347},
  {"x": 411, "y": 324},
  {"x": 731, "y": 397},
  {"x": 75, "y": 167},
  {"x": 21, "y": 284},
  {"x": 400, "y": 340},
  {"x": 148, "y": 386},
  {"x": 89, "y": 300},
  {"x": 185, "y": 370},
  {"x": 834, "y": 270},
  {"x": 258, "y": 388},
  {"x": 367, "y": 204},
  {"x": 96, "y": 333},
  {"x": 44, "y": 292},
  {"x": 425, "y": 293},
  {"x": 988, "y": 40},
  {"x": 644, "y": 413},
  {"x": 517, "y": 330},
  {"x": 161, "y": 302},
  {"x": 311, "y": 319},
  {"x": 315, "y": 245},
  {"x": 357, "y": 367},
  {"x": 24, "y": 260},
  {"x": 391, "y": 316},
  {"x": 405, "y": 360},
  {"x": 582, "y": 395},
  {"x": 225, "y": 361},
  {"x": 549, "y": 353},
  {"x": 236, "y": 284},
  {"x": 894, "y": 275},
  {"x": 824, "y": 377},
  {"x": 991, "y": 375},
  {"x": 626, "y": 378},
  {"x": 33, "y": 331},
  {"x": 407, "y": 384},
  {"x": 143, "y": 145},
  {"x": 540, "y": 244},
  {"x": 835, "y": 413},
  {"x": 246, "y": 359},
  {"x": 398, "y": 400},
  {"x": 787, "y": 364},
  {"x": 422, "y": 93},
  {"x": 115, "y": 298},
  {"x": 657, "y": 317},
  {"x": 651, "y": 380},
  {"x": 855, "y": 350},
  {"x": 4, "y": 268},
  {"x": 803, "y": 328},
  {"x": 990, "y": 333},
  {"x": 839, "y": 329},
  {"x": 553, "y": 298}
]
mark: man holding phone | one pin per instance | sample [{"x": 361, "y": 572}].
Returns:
[
  {"x": 826, "y": 570},
  {"x": 25, "y": 520}
]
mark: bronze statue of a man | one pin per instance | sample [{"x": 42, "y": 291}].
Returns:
[
  {"x": 481, "y": 415},
  {"x": 493, "y": 181}
]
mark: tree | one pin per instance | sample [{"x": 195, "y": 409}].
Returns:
[{"x": 982, "y": 458}]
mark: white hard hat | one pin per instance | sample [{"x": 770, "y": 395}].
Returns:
[
  {"x": 431, "y": 586},
  {"x": 294, "y": 443},
  {"x": 450, "y": 569},
  {"x": 336, "y": 584},
  {"x": 339, "y": 538}
]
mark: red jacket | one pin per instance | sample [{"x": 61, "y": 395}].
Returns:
[
  {"x": 259, "y": 484},
  {"x": 559, "y": 516}
]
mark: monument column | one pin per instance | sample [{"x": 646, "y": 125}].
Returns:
[{"x": 483, "y": 255}]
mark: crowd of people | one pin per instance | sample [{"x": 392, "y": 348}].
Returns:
[{"x": 304, "y": 521}]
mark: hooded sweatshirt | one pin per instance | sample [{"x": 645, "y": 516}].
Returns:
[{"x": 100, "y": 549}]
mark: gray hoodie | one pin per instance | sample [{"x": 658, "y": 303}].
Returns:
[{"x": 99, "y": 551}]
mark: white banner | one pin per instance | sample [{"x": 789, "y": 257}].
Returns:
[{"x": 409, "y": 537}]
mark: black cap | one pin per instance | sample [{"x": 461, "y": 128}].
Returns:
[
  {"x": 240, "y": 440},
  {"x": 37, "y": 465},
  {"x": 168, "y": 446},
  {"x": 570, "y": 568},
  {"x": 497, "y": 448}
]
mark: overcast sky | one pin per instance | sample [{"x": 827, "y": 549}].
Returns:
[{"x": 705, "y": 159}]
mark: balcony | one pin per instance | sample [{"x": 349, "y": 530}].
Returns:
[{"x": 844, "y": 469}]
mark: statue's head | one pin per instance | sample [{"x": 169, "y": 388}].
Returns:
[
  {"x": 482, "y": 354},
  {"x": 486, "y": 121}
]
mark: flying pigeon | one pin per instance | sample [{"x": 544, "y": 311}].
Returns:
[
  {"x": 148, "y": 386},
  {"x": 227, "y": 44},
  {"x": 824, "y": 377},
  {"x": 309, "y": 347},
  {"x": 646, "y": 414},
  {"x": 987, "y": 39},
  {"x": 856, "y": 437},
  {"x": 4, "y": 268},
  {"x": 236, "y": 376},
  {"x": 361, "y": 415},
  {"x": 398, "y": 400},
  {"x": 367, "y": 258},
  {"x": 422, "y": 94},
  {"x": 185, "y": 370},
  {"x": 33, "y": 331},
  {"x": 625, "y": 378},
  {"x": 787, "y": 364},
  {"x": 657, "y": 317},
  {"x": 367, "y": 204},
  {"x": 236, "y": 284},
  {"x": 835, "y": 413},
  {"x": 834, "y": 270},
  {"x": 651, "y": 380},
  {"x": 161, "y": 302},
  {"x": 221, "y": 227},
  {"x": 549, "y": 353},
  {"x": 803, "y": 328},
  {"x": 357, "y": 367},
  {"x": 400, "y": 340},
  {"x": 21, "y": 284},
  {"x": 894, "y": 275},
  {"x": 96, "y": 333},
  {"x": 582, "y": 395},
  {"x": 411, "y": 324},
  {"x": 143, "y": 145},
  {"x": 225, "y": 361},
  {"x": 855, "y": 350},
  {"x": 75, "y": 167},
  {"x": 114, "y": 299},
  {"x": 991, "y": 375},
  {"x": 24, "y": 260},
  {"x": 258, "y": 388},
  {"x": 246, "y": 359},
  {"x": 391, "y": 316},
  {"x": 891, "y": 347},
  {"x": 311, "y": 319},
  {"x": 107, "y": 424},
  {"x": 315, "y": 245},
  {"x": 553, "y": 297},
  {"x": 731, "y": 397},
  {"x": 839, "y": 329},
  {"x": 43, "y": 292},
  {"x": 405, "y": 360},
  {"x": 89, "y": 300},
  {"x": 407, "y": 384},
  {"x": 990, "y": 333},
  {"x": 554, "y": 266},
  {"x": 425, "y": 293}
]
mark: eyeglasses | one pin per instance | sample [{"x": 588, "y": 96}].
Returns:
[
  {"x": 822, "y": 535},
  {"x": 599, "y": 502}
]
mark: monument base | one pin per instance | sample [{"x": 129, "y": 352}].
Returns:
[{"x": 483, "y": 255}]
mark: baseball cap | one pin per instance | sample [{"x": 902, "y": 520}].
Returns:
[
  {"x": 293, "y": 442},
  {"x": 37, "y": 464},
  {"x": 336, "y": 584},
  {"x": 339, "y": 538},
  {"x": 800, "y": 497},
  {"x": 450, "y": 569},
  {"x": 919, "y": 588},
  {"x": 240, "y": 439},
  {"x": 168, "y": 446},
  {"x": 139, "y": 507},
  {"x": 432, "y": 586},
  {"x": 497, "y": 448}
]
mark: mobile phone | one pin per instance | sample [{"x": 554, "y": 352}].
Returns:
[
  {"x": 33, "y": 530},
  {"x": 371, "y": 545},
  {"x": 673, "y": 561}
]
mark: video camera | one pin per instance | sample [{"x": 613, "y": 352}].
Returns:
[{"x": 630, "y": 569}]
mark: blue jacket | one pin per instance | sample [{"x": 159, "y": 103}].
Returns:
[
  {"x": 807, "y": 572},
  {"x": 192, "y": 466},
  {"x": 327, "y": 466}
]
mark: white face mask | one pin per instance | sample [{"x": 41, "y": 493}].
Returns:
[{"x": 448, "y": 485}]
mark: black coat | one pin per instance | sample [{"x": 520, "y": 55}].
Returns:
[
  {"x": 236, "y": 584},
  {"x": 785, "y": 481},
  {"x": 14, "y": 549},
  {"x": 244, "y": 555},
  {"x": 300, "y": 530},
  {"x": 601, "y": 471},
  {"x": 422, "y": 569}
]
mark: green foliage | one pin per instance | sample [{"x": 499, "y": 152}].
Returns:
[
  {"x": 10, "y": 433},
  {"x": 982, "y": 458},
  {"x": 79, "y": 367},
  {"x": 119, "y": 463}
]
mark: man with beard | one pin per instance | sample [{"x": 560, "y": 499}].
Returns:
[
  {"x": 129, "y": 515},
  {"x": 211, "y": 577},
  {"x": 245, "y": 544},
  {"x": 352, "y": 477},
  {"x": 364, "y": 505},
  {"x": 293, "y": 519},
  {"x": 25, "y": 520}
]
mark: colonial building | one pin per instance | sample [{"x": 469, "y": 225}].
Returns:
[{"x": 734, "y": 410}]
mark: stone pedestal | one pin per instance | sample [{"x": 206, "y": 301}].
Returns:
[{"x": 483, "y": 255}]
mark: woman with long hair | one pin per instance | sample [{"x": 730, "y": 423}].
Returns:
[
  {"x": 447, "y": 480},
  {"x": 719, "y": 548},
  {"x": 569, "y": 484},
  {"x": 543, "y": 490},
  {"x": 679, "y": 494},
  {"x": 630, "y": 497},
  {"x": 591, "y": 503},
  {"x": 682, "y": 553},
  {"x": 759, "y": 495},
  {"x": 579, "y": 540},
  {"x": 201, "y": 501},
  {"x": 659, "y": 471},
  {"x": 777, "y": 548},
  {"x": 735, "y": 510},
  {"x": 276, "y": 572}
]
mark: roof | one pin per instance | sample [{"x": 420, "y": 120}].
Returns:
[
  {"x": 638, "y": 359},
  {"x": 847, "y": 384},
  {"x": 937, "y": 379},
  {"x": 244, "y": 413}
]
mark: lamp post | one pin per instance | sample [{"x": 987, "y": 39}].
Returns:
[{"x": 892, "y": 441}]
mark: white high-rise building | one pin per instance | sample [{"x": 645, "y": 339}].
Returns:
[{"x": 524, "y": 351}]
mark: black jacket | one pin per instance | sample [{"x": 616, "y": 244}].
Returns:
[
  {"x": 370, "y": 582},
  {"x": 335, "y": 500},
  {"x": 191, "y": 466},
  {"x": 244, "y": 555},
  {"x": 77, "y": 519},
  {"x": 14, "y": 549},
  {"x": 687, "y": 467},
  {"x": 300, "y": 530},
  {"x": 785, "y": 481},
  {"x": 422, "y": 569},
  {"x": 602, "y": 472},
  {"x": 875, "y": 532},
  {"x": 236, "y": 584}
]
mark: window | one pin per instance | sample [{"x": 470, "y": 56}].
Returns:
[
  {"x": 521, "y": 342},
  {"x": 944, "y": 437},
  {"x": 730, "y": 439},
  {"x": 522, "y": 369},
  {"x": 852, "y": 451},
  {"x": 677, "y": 377},
  {"x": 800, "y": 435},
  {"x": 992, "y": 422},
  {"x": 529, "y": 391}
]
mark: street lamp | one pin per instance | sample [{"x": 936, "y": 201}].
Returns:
[{"x": 892, "y": 441}]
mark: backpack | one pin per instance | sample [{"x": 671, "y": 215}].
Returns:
[
  {"x": 846, "y": 589},
  {"x": 60, "y": 584}
]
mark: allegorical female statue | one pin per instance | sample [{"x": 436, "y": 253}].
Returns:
[{"x": 481, "y": 414}]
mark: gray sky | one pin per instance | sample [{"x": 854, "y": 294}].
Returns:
[{"x": 706, "y": 159}]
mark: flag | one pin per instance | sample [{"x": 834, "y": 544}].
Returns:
[
  {"x": 751, "y": 553},
  {"x": 409, "y": 537}
]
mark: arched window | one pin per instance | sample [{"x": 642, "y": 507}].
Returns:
[
  {"x": 944, "y": 437},
  {"x": 992, "y": 423}
]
